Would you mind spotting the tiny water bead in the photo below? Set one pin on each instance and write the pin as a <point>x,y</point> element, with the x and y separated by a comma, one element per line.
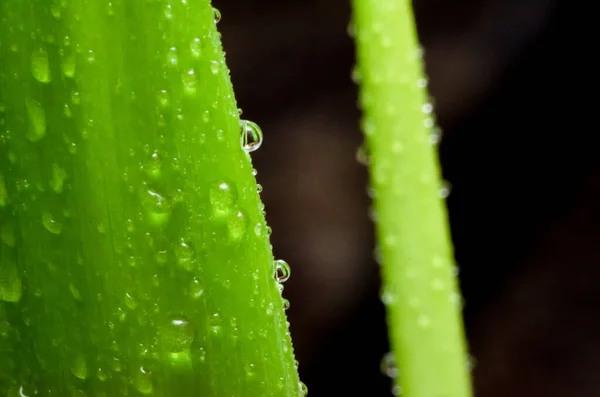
<point>286,304</point>
<point>196,48</point>
<point>190,83</point>
<point>251,136</point>
<point>282,271</point>
<point>388,366</point>
<point>223,197</point>
<point>302,389</point>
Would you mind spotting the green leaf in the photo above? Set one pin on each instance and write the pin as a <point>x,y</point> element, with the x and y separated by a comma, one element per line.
<point>419,282</point>
<point>134,255</point>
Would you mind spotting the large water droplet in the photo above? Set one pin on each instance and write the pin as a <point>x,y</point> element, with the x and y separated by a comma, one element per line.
<point>142,381</point>
<point>251,136</point>
<point>282,271</point>
<point>50,224</point>
<point>388,366</point>
<point>223,198</point>
<point>10,283</point>
<point>39,66</point>
<point>217,15</point>
<point>37,119</point>
<point>303,390</point>
<point>178,335</point>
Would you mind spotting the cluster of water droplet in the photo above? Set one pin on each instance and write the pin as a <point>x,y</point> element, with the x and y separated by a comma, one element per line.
<point>390,369</point>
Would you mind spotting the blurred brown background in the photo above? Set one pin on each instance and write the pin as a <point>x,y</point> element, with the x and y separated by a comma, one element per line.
<point>509,80</point>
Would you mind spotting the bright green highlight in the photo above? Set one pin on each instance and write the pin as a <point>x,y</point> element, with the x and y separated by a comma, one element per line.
<point>419,283</point>
<point>134,257</point>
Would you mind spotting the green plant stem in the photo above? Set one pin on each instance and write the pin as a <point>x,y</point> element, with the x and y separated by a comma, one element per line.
<point>419,285</point>
<point>134,256</point>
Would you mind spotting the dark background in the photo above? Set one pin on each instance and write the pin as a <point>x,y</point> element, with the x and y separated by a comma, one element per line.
<point>512,86</point>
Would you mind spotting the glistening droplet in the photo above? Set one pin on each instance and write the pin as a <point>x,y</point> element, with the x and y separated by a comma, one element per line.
<point>282,271</point>
<point>251,136</point>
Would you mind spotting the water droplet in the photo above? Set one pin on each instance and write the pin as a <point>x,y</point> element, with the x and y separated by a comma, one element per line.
<point>251,136</point>
<point>185,255</point>
<point>157,207</point>
<point>90,56</point>
<point>154,166</point>
<point>427,108</point>
<point>10,283</point>
<point>196,48</point>
<point>190,83</point>
<point>217,15</point>
<point>58,178</point>
<point>361,155</point>
<point>259,188</point>
<point>178,335</point>
<point>142,380</point>
<point>396,390</point>
<point>79,367</point>
<point>206,116</point>
<point>37,118</point>
<point>75,292</point>
<point>3,192</point>
<point>196,288</point>
<point>237,225</point>
<point>130,301</point>
<point>435,136</point>
<point>282,271</point>
<point>75,98</point>
<point>387,295</point>
<point>214,67</point>
<point>388,366</point>
<point>445,190</point>
<point>303,390</point>
<point>50,224</point>
<point>55,11</point>
<point>223,198</point>
<point>286,304</point>
<point>163,98</point>
<point>40,67</point>
<point>172,56</point>
<point>437,284</point>
<point>422,83</point>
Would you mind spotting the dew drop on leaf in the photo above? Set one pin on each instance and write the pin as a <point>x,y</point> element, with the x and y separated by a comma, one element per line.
<point>251,136</point>
<point>10,283</point>
<point>50,224</point>
<point>217,15</point>
<point>40,67</point>
<point>282,271</point>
